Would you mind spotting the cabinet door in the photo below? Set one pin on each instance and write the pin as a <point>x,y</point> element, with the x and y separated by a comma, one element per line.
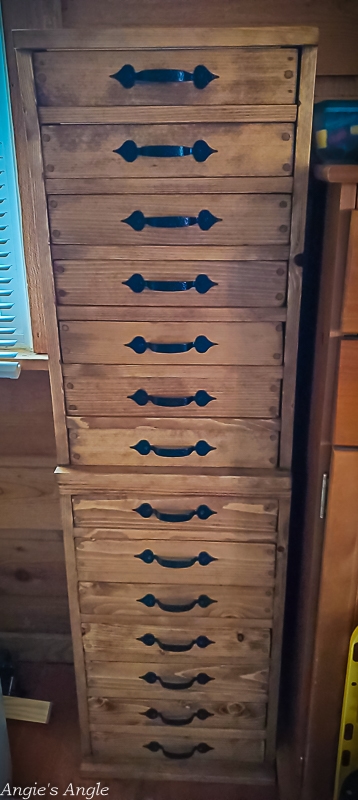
<point>350,303</point>
<point>346,423</point>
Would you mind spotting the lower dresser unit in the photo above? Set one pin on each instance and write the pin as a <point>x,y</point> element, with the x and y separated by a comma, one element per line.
<point>177,621</point>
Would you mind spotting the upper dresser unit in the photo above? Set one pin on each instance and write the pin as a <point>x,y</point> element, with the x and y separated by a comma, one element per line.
<point>175,166</point>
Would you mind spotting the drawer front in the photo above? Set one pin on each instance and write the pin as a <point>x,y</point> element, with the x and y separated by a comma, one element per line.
<point>144,151</point>
<point>346,424</point>
<point>127,441</point>
<point>200,643</point>
<point>242,76</point>
<point>173,343</point>
<point>170,220</point>
<point>120,744</point>
<point>189,391</point>
<point>158,516</point>
<point>167,714</point>
<point>236,683</point>
<point>188,563</point>
<point>173,283</point>
<point>113,602</point>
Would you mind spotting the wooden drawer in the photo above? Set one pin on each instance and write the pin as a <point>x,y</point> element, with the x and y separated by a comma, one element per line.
<point>242,76</point>
<point>188,563</point>
<point>256,343</point>
<point>188,150</point>
<point>117,744</point>
<point>105,711</point>
<point>201,642</point>
<point>140,441</point>
<point>113,602</point>
<point>189,391</point>
<point>170,516</point>
<point>139,219</point>
<point>350,302</point>
<point>237,683</point>
<point>346,423</point>
<point>173,283</point>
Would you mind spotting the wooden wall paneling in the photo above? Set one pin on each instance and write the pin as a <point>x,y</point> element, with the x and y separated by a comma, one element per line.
<point>26,423</point>
<point>29,499</point>
<point>40,241</point>
<point>346,420</point>
<point>24,14</point>
<point>298,226</point>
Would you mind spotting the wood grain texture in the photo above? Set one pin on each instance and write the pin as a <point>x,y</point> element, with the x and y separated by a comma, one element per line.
<point>243,76</point>
<point>92,115</point>
<point>29,499</point>
<point>107,343</point>
<point>34,568</point>
<point>94,389</point>
<point>170,314</point>
<point>235,564</point>
<point>346,419</point>
<point>240,284</point>
<point>350,301</point>
<point>106,252</point>
<point>26,423</point>
<point>257,777</point>
<point>45,613</point>
<point>90,151</point>
<point>43,648</point>
<point>256,185</point>
<point>233,442</point>
<point>242,682</point>
<point>114,602</point>
<point>242,716</point>
<point>243,219</point>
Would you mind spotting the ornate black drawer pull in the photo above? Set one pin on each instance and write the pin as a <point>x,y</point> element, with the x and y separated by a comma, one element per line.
<point>149,640</point>
<point>201,344</point>
<point>146,511</point>
<point>201,284</point>
<point>201,679</point>
<point>144,447</point>
<point>203,559</point>
<point>130,151</point>
<point>154,747</point>
<point>141,397</point>
<point>149,600</point>
<point>205,220</point>
<point>202,714</point>
<point>128,77</point>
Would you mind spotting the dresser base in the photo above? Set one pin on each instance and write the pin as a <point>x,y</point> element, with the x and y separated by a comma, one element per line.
<point>221,772</point>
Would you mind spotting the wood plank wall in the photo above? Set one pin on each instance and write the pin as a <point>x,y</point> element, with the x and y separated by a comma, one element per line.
<point>33,608</point>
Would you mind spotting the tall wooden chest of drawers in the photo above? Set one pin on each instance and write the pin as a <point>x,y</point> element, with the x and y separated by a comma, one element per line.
<point>169,173</point>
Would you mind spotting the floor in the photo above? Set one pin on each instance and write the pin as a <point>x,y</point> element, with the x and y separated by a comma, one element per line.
<point>50,754</point>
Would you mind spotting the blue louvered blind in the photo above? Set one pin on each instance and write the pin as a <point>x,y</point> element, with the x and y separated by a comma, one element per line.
<point>15,329</point>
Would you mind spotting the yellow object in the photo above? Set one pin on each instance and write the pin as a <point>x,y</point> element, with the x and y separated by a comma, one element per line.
<point>354,130</point>
<point>322,138</point>
<point>347,759</point>
<point>27,710</point>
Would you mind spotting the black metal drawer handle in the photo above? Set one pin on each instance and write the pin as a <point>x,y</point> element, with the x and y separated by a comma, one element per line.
<point>130,151</point>
<point>201,344</point>
<point>202,714</point>
<point>202,284</point>
<point>128,77</point>
<point>154,747</point>
<point>203,559</point>
<point>201,679</point>
<point>149,600</point>
<point>141,397</point>
<point>149,640</point>
<point>205,220</point>
<point>144,447</point>
<point>146,511</point>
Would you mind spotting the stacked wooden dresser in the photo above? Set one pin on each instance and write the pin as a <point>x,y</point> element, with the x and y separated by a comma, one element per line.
<point>175,166</point>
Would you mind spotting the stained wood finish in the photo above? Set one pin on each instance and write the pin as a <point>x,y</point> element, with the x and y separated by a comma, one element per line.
<point>234,443</point>
<point>96,389</point>
<point>244,219</point>
<point>169,314</point>
<point>244,76</point>
<point>346,420</point>
<point>235,564</point>
<point>241,682</point>
<point>350,301</point>
<point>114,602</point>
<point>270,252</point>
<point>240,284</point>
<point>155,185</point>
<point>107,343</point>
<point>87,151</point>
<point>121,744</point>
<point>106,711</point>
<point>106,642</point>
<point>233,515</point>
<point>100,115</point>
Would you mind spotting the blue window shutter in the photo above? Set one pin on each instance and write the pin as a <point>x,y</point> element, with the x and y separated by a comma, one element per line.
<point>15,327</point>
